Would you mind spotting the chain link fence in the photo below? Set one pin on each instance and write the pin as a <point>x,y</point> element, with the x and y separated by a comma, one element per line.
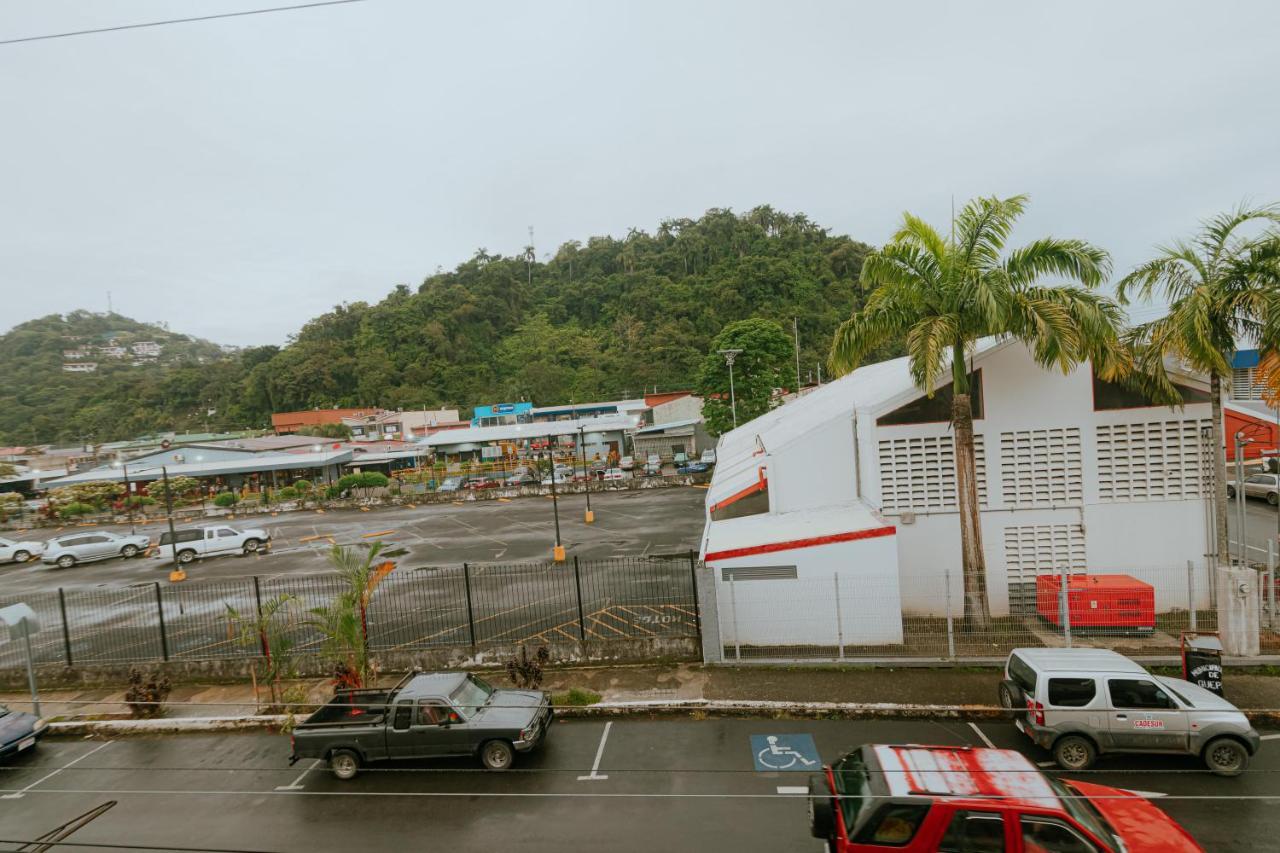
<point>412,609</point>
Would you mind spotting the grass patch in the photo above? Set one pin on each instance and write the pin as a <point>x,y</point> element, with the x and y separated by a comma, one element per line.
<point>575,697</point>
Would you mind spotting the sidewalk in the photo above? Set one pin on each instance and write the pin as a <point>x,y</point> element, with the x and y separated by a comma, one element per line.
<point>911,686</point>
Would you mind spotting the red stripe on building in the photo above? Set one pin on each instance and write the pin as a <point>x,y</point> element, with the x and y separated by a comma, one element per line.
<point>851,536</point>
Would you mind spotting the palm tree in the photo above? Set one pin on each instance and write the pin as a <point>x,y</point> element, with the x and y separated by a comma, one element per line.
<point>941,294</point>
<point>1221,287</point>
<point>344,621</point>
<point>263,631</point>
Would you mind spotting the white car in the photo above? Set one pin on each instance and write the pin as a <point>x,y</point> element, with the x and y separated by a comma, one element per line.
<point>19,552</point>
<point>626,463</point>
<point>562,477</point>
<point>709,456</point>
<point>211,541</point>
<point>72,548</point>
<point>613,474</point>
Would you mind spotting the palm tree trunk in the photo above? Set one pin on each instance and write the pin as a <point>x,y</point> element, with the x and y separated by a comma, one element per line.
<point>977,613</point>
<point>1221,549</point>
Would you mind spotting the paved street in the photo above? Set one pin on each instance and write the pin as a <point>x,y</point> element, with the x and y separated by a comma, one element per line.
<point>1260,526</point>
<point>627,785</point>
<point>628,524</point>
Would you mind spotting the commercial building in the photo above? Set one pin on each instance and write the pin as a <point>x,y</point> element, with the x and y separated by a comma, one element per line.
<point>601,437</point>
<point>285,423</point>
<point>501,414</point>
<point>401,425</point>
<point>844,501</point>
<point>669,440</point>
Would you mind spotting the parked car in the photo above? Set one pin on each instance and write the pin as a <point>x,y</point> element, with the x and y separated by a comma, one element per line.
<point>426,715</point>
<point>626,463</point>
<point>66,551</point>
<point>653,465</point>
<point>450,484</point>
<point>19,731</point>
<point>709,456</point>
<point>1083,702</point>
<point>561,478</point>
<point>679,458</point>
<point>613,475</point>
<point>1266,486</point>
<point>930,798</point>
<point>210,541</point>
<point>523,478</point>
<point>693,468</point>
<point>479,483</point>
<point>19,552</point>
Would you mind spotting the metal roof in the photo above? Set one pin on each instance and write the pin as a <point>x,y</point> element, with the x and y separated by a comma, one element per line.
<point>520,432</point>
<point>669,425</point>
<point>252,463</point>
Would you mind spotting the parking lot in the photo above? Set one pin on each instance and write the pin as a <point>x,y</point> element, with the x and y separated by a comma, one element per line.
<point>628,524</point>
<point>628,784</point>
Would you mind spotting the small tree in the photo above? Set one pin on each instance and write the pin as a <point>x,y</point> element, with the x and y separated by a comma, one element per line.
<point>760,367</point>
<point>267,631</point>
<point>179,487</point>
<point>10,504</point>
<point>525,672</point>
<point>226,499</point>
<point>97,493</point>
<point>344,621</point>
<point>304,490</point>
<point>147,694</point>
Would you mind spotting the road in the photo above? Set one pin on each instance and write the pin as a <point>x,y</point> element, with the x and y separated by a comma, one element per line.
<point>674,785</point>
<point>628,524</point>
<point>1260,527</point>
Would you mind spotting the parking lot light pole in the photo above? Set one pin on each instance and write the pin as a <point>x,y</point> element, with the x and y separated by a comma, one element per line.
<point>557,553</point>
<point>177,573</point>
<point>729,356</point>
<point>590,516</point>
<point>128,506</point>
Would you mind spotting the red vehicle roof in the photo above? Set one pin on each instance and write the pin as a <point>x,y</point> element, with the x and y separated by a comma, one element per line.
<point>965,772</point>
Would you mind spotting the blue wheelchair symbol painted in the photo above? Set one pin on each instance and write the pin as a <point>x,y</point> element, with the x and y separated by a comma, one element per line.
<point>784,752</point>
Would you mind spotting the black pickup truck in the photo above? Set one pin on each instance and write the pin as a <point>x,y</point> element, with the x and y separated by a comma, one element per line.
<point>426,715</point>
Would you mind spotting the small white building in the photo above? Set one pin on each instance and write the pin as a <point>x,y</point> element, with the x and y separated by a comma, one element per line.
<point>80,367</point>
<point>112,351</point>
<point>146,349</point>
<point>844,500</point>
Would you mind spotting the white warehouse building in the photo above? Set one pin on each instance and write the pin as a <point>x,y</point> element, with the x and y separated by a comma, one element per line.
<point>833,517</point>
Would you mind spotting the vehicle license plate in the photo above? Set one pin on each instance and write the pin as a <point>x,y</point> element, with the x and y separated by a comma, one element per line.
<point>26,744</point>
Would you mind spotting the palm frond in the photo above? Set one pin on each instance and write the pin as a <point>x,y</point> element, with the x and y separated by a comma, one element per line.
<point>983,227</point>
<point>1173,274</point>
<point>1075,260</point>
<point>915,231</point>
<point>1215,239</point>
<point>929,342</point>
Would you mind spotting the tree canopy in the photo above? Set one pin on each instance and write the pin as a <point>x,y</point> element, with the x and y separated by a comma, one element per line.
<point>761,365</point>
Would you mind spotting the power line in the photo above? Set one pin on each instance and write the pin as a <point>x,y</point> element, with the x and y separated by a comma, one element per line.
<point>179,21</point>
<point>168,847</point>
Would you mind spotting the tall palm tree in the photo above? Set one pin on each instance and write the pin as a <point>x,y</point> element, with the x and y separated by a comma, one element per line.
<point>940,294</point>
<point>344,621</point>
<point>1222,286</point>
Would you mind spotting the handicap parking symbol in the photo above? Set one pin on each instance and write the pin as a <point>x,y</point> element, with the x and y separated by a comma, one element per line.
<point>784,752</point>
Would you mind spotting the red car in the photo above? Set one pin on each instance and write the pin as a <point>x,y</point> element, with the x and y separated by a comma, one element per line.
<point>959,798</point>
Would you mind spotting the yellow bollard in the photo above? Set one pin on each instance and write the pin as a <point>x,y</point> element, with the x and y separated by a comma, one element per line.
<point>177,575</point>
<point>589,516</point>
<point>557,553</point>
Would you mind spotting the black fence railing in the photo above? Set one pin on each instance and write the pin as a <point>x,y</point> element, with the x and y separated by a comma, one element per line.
<point>412,609</point>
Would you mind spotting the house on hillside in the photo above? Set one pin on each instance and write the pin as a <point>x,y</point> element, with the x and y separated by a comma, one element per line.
<point>839,510</point>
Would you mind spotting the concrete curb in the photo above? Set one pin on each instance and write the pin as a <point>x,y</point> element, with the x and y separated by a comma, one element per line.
<point>645,707</point>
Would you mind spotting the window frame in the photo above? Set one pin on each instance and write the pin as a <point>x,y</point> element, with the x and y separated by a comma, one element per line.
<point>866,832</point>
<point>1058,822</point>
<point>1092,681</point>
<point>966,815</point>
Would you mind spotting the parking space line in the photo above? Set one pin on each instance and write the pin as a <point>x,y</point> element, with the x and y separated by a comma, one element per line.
<point>296,784</point>
<point>792,789</point>
<point>18,794</point>
<point>982,735</point>
<point>594,775</point>
<point>1271,737</point>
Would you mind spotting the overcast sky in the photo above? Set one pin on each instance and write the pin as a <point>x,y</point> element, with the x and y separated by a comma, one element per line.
<point>237,177</point>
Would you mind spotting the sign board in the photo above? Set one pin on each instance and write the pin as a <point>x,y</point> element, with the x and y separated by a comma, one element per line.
<point>504,408</point>
<point>1202,661</point>
<point>490,452</point>
<point>14,616</point>
<point>774,753</point>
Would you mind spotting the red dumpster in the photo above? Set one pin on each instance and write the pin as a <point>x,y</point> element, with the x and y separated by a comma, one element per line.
<point>1098,602</point>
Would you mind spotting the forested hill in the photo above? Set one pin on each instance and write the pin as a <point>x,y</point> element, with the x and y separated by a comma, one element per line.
<point>598,320</point>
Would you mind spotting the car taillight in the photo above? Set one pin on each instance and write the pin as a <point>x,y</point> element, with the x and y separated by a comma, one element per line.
<point>1036,711</point>
<point>293,744</point>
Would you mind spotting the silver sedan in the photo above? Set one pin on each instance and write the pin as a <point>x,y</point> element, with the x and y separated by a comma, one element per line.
<point>65,551</point>
<point>1258,486</point>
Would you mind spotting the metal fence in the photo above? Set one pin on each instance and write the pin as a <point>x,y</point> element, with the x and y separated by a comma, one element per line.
<point>413,609</point>
<point>921,615</point>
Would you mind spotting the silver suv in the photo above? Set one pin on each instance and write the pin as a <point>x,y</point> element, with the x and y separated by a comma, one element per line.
<point>65,551</point>
<point>1081,703</point>
<point>1265,486</point>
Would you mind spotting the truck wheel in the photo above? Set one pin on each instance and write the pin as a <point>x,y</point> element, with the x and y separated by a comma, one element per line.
<point>496,755</point>
<point>822,823</point>
<point>344,763</point>
<point>1074,752</point>
<point>66,561</point>
<point>1273,498</point>
<point>129,551</point>
<point>250,545</point>
<point>185,557</point>
<point>1226,757</point>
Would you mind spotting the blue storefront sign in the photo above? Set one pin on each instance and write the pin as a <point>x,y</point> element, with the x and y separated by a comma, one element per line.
<point>499,410</point>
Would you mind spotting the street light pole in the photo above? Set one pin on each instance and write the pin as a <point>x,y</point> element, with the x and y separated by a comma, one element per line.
<point>557,553</point>
<point>176,574</point>
<point>729,356</point>
<point>590,516</point>
<point>128,505</point>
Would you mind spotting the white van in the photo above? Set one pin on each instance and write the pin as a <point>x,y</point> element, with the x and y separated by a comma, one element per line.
<point>1081,703</point>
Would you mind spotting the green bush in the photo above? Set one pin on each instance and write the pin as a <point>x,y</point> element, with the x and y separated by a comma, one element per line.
<point>75,509</point>
<point>363,480</point>
<point>225,499</point>
<point>302,486</point>
<point>288,493</point>
<point>332,492</point>
<point>575,697</point>
<point>139,500</point>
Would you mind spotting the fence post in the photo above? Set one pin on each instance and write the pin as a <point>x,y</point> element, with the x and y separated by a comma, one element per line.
<point>1271,582</point>
<point>164,639</point>
<point>66,631</point>
<point>577,585</point>
<point>471,619</point>
<point>839,619</point>
<point>1191,594</point>
<point>951,626</point>
<point>693,576</point>
<point>733,606</point>
<point>257,602</point>
<point>1064,606</point>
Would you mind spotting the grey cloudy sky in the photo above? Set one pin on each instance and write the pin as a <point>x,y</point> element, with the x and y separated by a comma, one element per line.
<point>237,177</point>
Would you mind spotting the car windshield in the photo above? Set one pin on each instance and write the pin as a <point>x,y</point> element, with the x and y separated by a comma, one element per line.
<point>853,787</point>
<point>1078,805</point>
<point>471,695</point>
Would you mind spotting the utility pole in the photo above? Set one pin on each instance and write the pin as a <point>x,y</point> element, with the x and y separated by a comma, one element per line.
<point>128,505</point>
<point>582,447</point>
<point>557,553</point>
<point>795,327</point>
<point>177,573</point>
<point>729,356</point>
<point>1241,532</point>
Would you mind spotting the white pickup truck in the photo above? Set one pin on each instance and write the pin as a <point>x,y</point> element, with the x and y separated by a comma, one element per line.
<point>211,541</point>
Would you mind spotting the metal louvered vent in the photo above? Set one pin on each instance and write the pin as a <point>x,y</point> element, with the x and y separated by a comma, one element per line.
<point>920,473</point>
<point>1040,549</point>
<point>1245,384</point>
<point>1042,467</point>
<point>1152,461</point>
<point>759,573</point>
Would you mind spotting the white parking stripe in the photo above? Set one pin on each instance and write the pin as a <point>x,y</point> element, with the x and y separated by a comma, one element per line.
<point>982,735</point>
<point>594,776</point>
<point>18,794</point>
<point>296,784</point>
<point>792,789</point>
<point>1271,737</point>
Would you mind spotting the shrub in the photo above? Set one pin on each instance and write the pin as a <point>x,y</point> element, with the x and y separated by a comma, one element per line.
<point>147,694</point>
<point>526,672</point>
<point>288,493</point>
<point>139,500</point>
<point>74,509</point>
<point>226,499</point>
<point>332,492</point>
<point>575,697</point>
<point>97,493</point>
<point>181,487</point>
<point>302,486</point>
